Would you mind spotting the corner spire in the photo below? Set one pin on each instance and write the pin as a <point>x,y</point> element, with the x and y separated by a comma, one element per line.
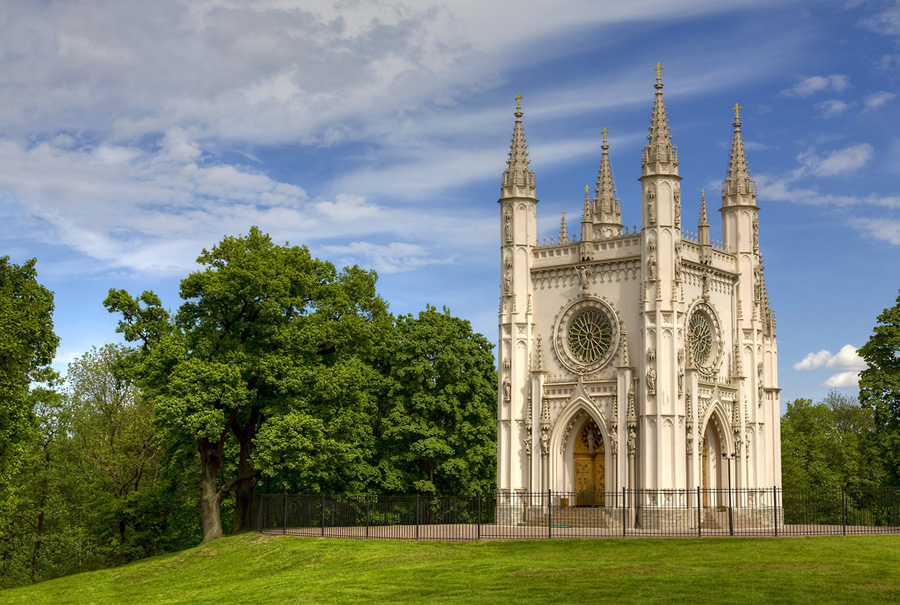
<point>660,156</point>
<point>737,181</point>
<point>518,179</point>
<point>607,210</point>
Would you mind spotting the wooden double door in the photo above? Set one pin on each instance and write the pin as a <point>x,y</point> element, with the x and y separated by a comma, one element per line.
<point>590,465</point>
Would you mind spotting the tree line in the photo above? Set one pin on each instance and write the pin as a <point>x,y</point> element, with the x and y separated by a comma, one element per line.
<point>281,373</point>
<point>277,373</point>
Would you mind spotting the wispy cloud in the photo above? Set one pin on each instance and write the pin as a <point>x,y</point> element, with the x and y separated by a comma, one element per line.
<point>884,229</point>
<point>837,162</point>
<point>878,99</point>
<point>831,108</point>
<point>814,84</point>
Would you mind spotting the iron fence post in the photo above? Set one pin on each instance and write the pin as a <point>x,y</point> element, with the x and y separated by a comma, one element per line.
<point>624,514</point>
<point>699,514</point>
<point>418,510</point>
<point>549,513</point>
<point>775,507</point>
<point>367,515</point>
<point>479,514</point>
<point>284,518</point>
<point>844,508</point>
<point>323,514</point>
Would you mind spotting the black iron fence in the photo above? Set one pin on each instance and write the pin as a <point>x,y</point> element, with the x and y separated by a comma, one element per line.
<point>553,514</point>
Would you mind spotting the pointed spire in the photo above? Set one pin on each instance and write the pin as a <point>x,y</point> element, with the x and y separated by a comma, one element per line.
<point>563,235</point>
<point>660,156</point>
<point>703,226</point>
<point>607,211</point>
<point>737,181</point>
<point>518,179</point>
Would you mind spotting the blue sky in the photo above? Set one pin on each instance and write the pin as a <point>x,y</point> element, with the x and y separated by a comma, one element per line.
<point>133,134</point>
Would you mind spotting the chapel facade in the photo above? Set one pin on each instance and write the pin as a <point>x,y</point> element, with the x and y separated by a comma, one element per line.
<point>636,358</point>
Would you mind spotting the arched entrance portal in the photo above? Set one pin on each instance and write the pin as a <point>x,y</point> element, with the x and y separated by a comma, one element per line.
<point>590,465</point>
<point>710,464</point>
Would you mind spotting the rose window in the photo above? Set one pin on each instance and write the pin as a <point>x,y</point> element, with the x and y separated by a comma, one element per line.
<point>590,336</point>
<point>701,333</point>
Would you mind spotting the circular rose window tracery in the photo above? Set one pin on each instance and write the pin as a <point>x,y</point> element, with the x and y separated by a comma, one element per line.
<point>701,338</point>
<point>704,339</point>
<point>587,335</point>
<point>590,336</point>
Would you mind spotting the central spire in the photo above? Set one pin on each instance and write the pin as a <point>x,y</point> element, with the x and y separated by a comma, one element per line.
<point>737,181</point>
<point>607,210</point>
<point>518,179</point>
<point>660,156</point>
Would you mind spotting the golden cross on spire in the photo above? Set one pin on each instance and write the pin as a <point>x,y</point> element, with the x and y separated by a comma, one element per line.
<point>604,132</point>
<point>737,108</point>
<point>519,102</point>
<point>703,192</point>
<point>586,189</point>
<point>658,69</point>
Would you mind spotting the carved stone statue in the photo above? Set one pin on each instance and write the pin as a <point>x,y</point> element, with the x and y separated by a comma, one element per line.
<point>651,213</point>
<point>584,273</point>
<point>678,209</point>
<point>545,442</point>
<point>507,284</point>
<point>651,268</point>
<point>632,441</point>
<point>651,380</point>
<point>507,389</point>
<point>508,227</point>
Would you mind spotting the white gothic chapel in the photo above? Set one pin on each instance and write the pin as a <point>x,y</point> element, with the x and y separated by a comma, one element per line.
<point>636,359</point>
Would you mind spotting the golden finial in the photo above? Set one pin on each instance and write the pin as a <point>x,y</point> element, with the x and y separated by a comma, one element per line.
<point>658,69</point>
<point>519,102</point>
<point>586,189</point>
<point>604,132</point>
<point>737,108</point>
<point>703,192</point>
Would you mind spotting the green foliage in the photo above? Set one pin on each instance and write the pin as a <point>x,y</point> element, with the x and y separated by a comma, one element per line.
<point>249,568</point>
<point>27,347</point>
<point>879,386</point>
<point>437,416</point>
<point>828,444</point>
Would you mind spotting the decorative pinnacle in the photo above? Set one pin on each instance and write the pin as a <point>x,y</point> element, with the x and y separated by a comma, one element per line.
<point>518,178</point>
<point>606,205</point>
<point>704,219</point>
<point>737,181</point>
<point>659,156</point>
<point>563,235</point>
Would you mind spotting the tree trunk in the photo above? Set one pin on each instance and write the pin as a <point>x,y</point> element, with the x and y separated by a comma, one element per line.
<point>245,471</point>
<point>211,461</point>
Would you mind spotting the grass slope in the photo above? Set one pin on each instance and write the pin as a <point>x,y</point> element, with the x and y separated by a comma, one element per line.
<point>249,568</point>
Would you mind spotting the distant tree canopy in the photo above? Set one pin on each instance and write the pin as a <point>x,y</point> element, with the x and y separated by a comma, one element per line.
<point>879,386</point>
<point>829,444</point>
<point>279,366</point>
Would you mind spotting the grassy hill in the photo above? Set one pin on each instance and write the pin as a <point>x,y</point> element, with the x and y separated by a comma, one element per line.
<point>249,568</point>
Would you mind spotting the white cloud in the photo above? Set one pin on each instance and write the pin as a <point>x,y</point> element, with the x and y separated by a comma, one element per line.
<point>878,99</point>
<point>843,380</point>
<point>885,229</point>
<point>831,108</point>
<point>813,360</point>
<point>813,84</point>
<point>846,359</point>
<point>840,161</point>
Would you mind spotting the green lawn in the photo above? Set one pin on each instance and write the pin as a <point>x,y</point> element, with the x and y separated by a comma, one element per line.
<point>249,568</point>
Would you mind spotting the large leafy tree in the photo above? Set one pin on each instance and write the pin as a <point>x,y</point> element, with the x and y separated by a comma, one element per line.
<point>265,332</point>
<point>879,385</point>
<point>437,417</point>
<point>27,346</point>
